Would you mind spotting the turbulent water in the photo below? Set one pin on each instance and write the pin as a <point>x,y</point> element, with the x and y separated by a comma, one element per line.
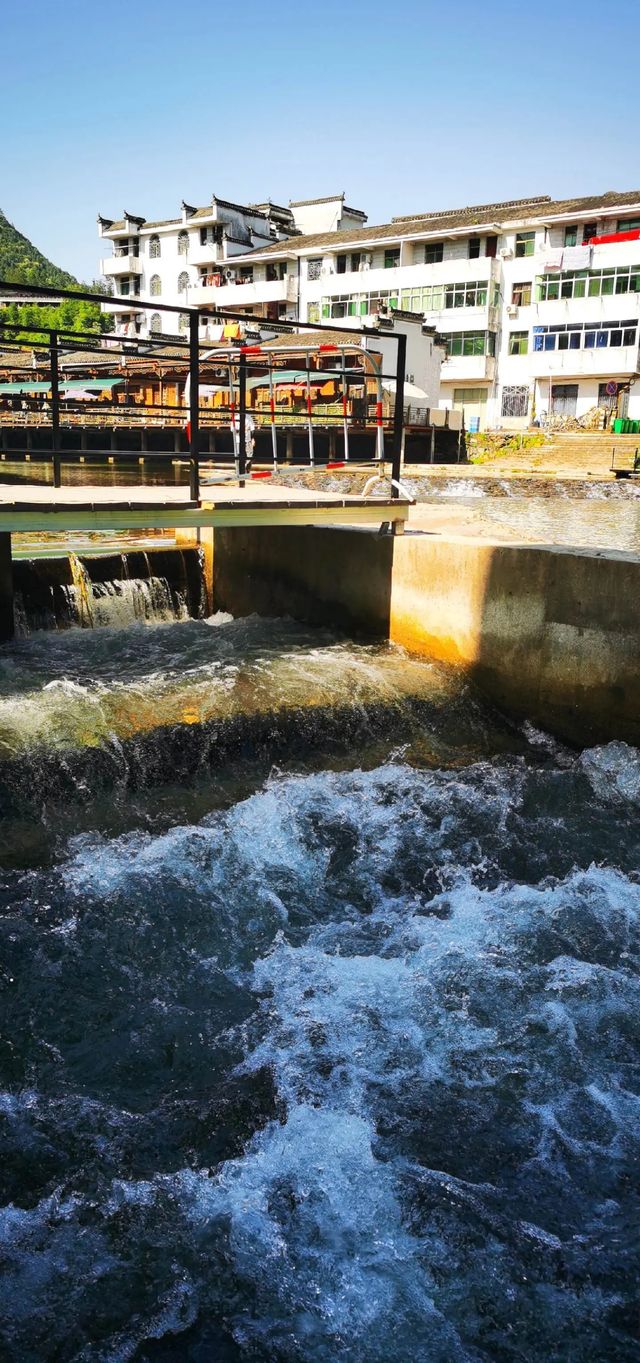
<point>329,1060</point>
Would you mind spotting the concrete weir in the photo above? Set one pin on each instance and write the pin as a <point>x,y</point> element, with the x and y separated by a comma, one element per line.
<point>549,634</point>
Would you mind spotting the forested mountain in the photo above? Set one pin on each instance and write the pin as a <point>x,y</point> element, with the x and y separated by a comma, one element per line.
<point>22,263</point>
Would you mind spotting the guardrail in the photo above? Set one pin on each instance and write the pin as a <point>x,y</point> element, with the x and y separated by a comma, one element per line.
<point>248,366</point>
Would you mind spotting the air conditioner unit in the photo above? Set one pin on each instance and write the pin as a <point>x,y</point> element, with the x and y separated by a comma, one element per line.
<point>512,309</point>
<point>506,253</point>
<point>230,276</point>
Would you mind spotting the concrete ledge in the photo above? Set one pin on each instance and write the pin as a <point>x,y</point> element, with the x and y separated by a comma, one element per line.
<point>549,634</point>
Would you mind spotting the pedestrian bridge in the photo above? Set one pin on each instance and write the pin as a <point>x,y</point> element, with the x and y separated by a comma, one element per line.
<point>37,509</point>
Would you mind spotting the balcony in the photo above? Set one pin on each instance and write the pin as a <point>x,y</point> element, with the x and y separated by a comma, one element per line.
<point>595,363</point>
<point>115,266</point>
<point>209,253</point>
<point>468,368</point>
<point>403,277</point>
<point>245,295</point>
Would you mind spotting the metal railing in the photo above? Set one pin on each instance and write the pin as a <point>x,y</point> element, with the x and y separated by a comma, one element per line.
<point>192,359</point>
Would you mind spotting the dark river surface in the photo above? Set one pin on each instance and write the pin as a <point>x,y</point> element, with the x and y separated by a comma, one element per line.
<point>320,1010</point>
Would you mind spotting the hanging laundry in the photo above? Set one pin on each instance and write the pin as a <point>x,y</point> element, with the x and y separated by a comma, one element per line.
<point>576,258</point>
<point>553,260</point>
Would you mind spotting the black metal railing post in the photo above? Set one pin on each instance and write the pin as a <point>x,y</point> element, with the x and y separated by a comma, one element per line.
<point>55,407</point>
<point>242,416</point>
<point>194,406</point>
<point>398,415</point>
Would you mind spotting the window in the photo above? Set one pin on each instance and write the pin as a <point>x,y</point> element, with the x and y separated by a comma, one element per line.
<point>515,400</point>
<point>183,243</point>
<point>124,287</point>
<point>491,247</point>
<point>356,260</point>
<point>605,399</point>
<point>183,282</point>
<point>154,248</point>
<point>203,236</point>
<point>314,268</point>
<point>464,397</point>
<point>586,336</point>
<point>518,342</point>
<point>589,231</point>
<point>589,283</point>
<point>571,236</point>
<point>436,297</point>
<point>471,343</point>
<point>246,274</point>
<point>628,224</point>
<point>433,252</point>
<point>525,243</point>
<point>183,321</point>
<point>473,295</point>
<point>155,325</point>
<point>155,286</point>
<point>357,304</point>
<point>391,257</point>
<point>341,264</point>
<point>521,294</point>
<point>313,312</point>
<point>474,248</point>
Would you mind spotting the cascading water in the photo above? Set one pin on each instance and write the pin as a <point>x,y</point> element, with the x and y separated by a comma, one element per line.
<point>117,590</point>
<point>332,1061</point>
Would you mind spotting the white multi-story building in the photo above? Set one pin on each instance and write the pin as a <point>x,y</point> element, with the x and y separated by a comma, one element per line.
<point>539,299</point>
<point>198,258</point>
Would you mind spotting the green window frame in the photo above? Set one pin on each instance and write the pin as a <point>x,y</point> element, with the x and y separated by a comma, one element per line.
<point>518,342</point>
<point>525,244</point>
<point>391,257</point>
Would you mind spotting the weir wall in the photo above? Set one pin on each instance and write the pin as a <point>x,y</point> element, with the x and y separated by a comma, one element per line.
<point>549,634</point>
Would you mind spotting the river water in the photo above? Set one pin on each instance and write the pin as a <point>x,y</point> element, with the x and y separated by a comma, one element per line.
<point>320,1010</point>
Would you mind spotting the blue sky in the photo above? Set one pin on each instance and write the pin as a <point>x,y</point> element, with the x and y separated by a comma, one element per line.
<point>406,106</point>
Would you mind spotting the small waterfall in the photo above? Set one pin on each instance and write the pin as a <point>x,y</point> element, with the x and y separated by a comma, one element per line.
<point>80,594</point>
<point>114,590</point>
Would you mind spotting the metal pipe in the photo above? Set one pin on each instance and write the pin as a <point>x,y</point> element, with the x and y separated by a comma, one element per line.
<point>242,415</point>
<point>309,418</point>
<point>55,408</point>
<point>194,407</point>
<point>345,409</point>
<point>272,409</point>
<point>398,414</point>
<point>232,414</point>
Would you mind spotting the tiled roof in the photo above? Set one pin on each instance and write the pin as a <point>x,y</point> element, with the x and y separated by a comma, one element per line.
<point>482,215</point>
<point>304,340</point>
<point>306,203</point>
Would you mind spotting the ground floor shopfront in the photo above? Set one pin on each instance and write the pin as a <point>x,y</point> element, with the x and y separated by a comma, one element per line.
<point>495,406</point>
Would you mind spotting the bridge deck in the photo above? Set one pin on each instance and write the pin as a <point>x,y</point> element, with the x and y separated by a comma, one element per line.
<point>37,508</point>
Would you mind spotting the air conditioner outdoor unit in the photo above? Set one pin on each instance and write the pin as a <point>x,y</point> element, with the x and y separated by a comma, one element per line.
<point>512,309</point>
<point>506,253</point>
<point>230,275</point>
